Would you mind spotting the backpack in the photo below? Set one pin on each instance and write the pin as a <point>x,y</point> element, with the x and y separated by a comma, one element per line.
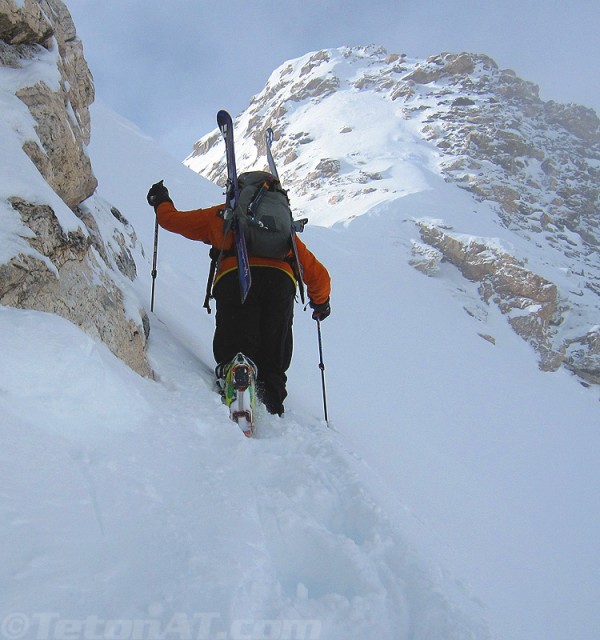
<point>264,215</point>
<point>265,218</point>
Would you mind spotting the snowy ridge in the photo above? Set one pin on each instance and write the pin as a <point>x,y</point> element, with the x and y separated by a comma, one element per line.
<point>330,178</point>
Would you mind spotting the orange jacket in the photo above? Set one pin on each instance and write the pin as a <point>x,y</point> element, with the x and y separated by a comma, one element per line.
<point>207,225</point>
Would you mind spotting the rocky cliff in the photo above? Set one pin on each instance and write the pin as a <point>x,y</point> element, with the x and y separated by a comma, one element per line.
<point>538,164</point>
<point>65,251</point>
<point>357,128</point>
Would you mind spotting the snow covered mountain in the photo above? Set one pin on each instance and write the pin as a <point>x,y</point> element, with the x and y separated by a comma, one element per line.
<point>455,497</point>
<point>360,128</point>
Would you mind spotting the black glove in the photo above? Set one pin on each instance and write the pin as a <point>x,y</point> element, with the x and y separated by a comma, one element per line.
<point>158,194</point>
<point>320,311</point>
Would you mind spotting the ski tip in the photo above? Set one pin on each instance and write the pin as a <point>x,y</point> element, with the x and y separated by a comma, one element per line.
<point>223,117</point>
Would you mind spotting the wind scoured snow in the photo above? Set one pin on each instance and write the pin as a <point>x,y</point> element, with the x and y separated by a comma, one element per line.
<point>453,498</point>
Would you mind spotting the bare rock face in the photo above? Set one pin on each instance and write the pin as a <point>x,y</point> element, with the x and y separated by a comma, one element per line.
<point>61,112</point>
<point>25,24</point>
<point>538,161</point>
<point>72,269</point>
<point>583,356</point>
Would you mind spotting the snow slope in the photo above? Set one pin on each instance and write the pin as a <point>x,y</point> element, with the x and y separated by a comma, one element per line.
<point>455,498</point>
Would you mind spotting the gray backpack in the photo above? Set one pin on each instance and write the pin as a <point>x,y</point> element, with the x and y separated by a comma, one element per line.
<point>264,215</point>
<point>265,218</point>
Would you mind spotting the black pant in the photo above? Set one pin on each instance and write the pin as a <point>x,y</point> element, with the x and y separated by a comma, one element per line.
<point>261,328</point>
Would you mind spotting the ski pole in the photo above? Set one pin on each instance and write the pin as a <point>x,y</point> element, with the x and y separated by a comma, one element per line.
<point>322,367</point>
<point>154,260</point>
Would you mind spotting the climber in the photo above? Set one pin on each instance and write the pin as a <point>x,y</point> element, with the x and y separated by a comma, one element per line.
<point>261,326</point>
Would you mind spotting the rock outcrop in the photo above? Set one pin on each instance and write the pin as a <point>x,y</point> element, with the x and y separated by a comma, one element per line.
<point>45,29</point>
<point>538,164</point>
<point>530,301</point>
<point>537,161</point>
<point>72,269</point>
<point>68,276</point>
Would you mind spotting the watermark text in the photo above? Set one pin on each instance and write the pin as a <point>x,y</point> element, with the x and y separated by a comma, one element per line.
<point>180,626</point>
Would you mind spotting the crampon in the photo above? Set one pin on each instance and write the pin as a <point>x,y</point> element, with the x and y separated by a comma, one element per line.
<point>237,380</point>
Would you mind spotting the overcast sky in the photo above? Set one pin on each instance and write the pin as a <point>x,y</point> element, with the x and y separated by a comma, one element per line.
<point>170,65</point>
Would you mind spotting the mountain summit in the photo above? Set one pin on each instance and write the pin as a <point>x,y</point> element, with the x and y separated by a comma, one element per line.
<point>360,128</point>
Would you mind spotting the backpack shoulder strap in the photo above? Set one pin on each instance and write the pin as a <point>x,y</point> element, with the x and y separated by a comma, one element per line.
<point>215,256</point>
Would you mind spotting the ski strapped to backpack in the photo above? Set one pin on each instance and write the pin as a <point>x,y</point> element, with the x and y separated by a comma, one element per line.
<point>232,193</point>
<point>257,211</point>
<point>297,225</point>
